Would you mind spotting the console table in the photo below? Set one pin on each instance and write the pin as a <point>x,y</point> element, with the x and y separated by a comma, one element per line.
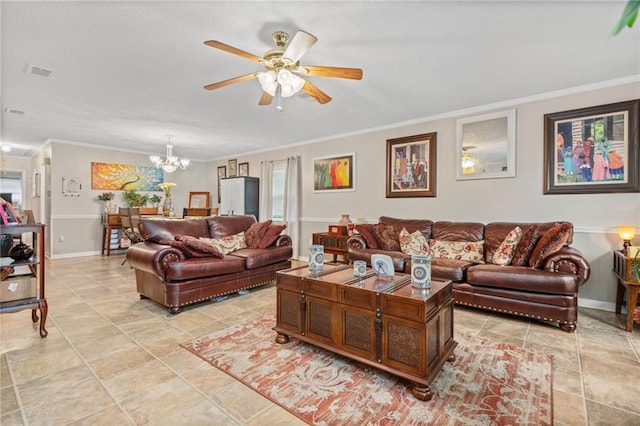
<point>379,321</point>
<point>623,270</point>
<point>333,244</point>
<point>110,222</point>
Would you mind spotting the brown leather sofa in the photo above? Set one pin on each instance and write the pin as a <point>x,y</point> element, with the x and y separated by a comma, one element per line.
<point>547,293</point>
<point>166,275</point>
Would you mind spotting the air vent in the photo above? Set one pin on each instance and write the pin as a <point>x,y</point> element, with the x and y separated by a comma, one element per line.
<point>42,72</point>
<point>14,111</point>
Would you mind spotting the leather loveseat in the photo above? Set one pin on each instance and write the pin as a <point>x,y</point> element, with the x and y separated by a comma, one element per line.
<point>547,291</point>
<point>173,278</point>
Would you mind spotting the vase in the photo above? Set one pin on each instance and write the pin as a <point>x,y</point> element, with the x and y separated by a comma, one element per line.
<point>167,207</point>
<point>346,221</point>
<point>107,207</point>
<point>20,251</point>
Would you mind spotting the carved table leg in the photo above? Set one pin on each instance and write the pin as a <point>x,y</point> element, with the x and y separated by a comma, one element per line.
<point>282,338</point>
<point>421,392</point>
<point>43,318</point>
<point>34,315</point>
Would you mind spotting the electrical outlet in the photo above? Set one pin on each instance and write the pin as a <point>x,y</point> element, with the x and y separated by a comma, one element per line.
<point>61,238</point>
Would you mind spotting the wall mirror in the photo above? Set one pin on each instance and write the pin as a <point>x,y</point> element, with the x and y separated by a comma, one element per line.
<point>486,146</point>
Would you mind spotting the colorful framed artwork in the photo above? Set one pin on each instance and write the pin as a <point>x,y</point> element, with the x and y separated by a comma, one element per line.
<point>334,173</point>
<point>125,177</point>
<point>486,146</point>
<point>198,200</point>
<point>411,166</point>
<point>243,169</point>
<point>222,173</point>
<point>593,150</point>
<point>232,168</point>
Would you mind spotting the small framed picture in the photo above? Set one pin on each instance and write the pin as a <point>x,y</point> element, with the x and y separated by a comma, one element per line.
<point>198,200</point>
<point>232,168</point>
<point>243,169</point>
<point>222,173</point>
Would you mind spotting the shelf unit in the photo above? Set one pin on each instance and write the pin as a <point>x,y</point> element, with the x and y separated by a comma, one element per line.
<point>23,281</point>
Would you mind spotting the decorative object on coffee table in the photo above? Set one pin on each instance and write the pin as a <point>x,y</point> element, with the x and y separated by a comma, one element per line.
<point>316,257</point>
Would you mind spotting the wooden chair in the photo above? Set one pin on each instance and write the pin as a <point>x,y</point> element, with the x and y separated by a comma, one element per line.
<point>186,211</point>
<point>130,218</point>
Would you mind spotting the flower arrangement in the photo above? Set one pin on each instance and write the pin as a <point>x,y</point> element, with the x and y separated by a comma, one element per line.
<point>166,187</point>
<point>106,196</point>
<point>155,198</point>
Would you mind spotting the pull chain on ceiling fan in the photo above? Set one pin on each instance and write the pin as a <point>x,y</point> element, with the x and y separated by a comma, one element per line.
<point>282,76</point>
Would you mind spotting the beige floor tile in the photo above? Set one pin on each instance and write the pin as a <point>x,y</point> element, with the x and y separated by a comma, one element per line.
<point>118,362</point>
<point>274,415</point>
<point>143,378</point>
<point>208,379</point>
<point>110,416</point>
<point>607,381</point>
<point>605,415</point>
<point>568,381</point>
<point>568,409</point>
<point>11,419</point>
<point>24,371</point>
<point>203,413</point>
<point>241,402</point>
<point>8,400</point>
<point>44,388</point>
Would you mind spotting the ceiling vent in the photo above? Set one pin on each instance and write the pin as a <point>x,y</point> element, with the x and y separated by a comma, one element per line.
<point>14,111</point>
<point>42,72</point>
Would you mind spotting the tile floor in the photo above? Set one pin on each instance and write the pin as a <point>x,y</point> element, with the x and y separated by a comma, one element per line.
<point>111,358</point>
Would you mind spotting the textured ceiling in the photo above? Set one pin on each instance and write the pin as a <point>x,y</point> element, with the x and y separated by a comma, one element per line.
<point>126,74</point>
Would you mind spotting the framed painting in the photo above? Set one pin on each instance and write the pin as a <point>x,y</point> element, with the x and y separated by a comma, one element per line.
<point>112,176</point>
<point>243,169</point>
<point>198,200</point>
<point>486,146</point>
<point>222,173</point>
<point>592,150</point>
<point>411,166</point>
<point>232,168</point>
<point>334,173</point>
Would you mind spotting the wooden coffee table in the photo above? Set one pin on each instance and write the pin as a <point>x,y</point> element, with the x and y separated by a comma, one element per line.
<point>381,322</point>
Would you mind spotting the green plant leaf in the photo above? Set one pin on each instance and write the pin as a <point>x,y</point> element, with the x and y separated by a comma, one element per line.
<point>628,18</point>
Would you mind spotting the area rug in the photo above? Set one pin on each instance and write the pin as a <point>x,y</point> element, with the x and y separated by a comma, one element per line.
<point>487,384</point>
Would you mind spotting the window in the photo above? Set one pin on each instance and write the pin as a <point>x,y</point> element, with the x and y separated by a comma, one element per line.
<point>278,187</point>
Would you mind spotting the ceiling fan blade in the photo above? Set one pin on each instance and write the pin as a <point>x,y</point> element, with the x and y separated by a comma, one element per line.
<point>219,45</point>
<point>339,72</point>
<point>234,80</point>
<point>299,45</point>
<point>315,93</point>
<point>265,99</point>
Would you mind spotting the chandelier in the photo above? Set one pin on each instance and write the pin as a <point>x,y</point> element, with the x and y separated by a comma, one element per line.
<point>281,84</point>
<point>171,163</point>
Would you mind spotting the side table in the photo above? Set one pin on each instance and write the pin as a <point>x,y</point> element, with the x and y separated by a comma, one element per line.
<point>623,270</point>
<point>333,244</point>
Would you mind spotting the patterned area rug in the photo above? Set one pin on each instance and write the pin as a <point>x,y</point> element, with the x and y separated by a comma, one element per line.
<point>487,384</point>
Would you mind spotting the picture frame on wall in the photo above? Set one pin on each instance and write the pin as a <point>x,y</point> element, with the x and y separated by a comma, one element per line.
<point>411,166</point>
<point>334,173</point>
<point>243,169</point>
<point>486,146</point>
<point>592,150</point>
<point>232,168</point>
<point>198,200</point>
<point>222,173</point>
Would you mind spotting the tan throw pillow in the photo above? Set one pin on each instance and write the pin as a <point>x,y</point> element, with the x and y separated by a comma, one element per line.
<point>414,243</point>
<point>366,231</point>
<point>228,244</point>
<point>200,246</point>
<point>255,232</point>
<point>525,246</point>
<point>471,251</point>
<point>506,250</point>
<point>552,241</point>
<point>387,236</point>
<point>272,234</point>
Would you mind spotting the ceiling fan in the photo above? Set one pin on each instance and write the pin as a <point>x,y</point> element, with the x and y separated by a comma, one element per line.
<point>283,71</point>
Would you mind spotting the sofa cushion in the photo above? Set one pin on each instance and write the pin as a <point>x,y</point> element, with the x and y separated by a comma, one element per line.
<point>228,244</point>
<point>505,251</point>
<point>255,258</point>
<point>411,225</point>
<point>550,242</point>
<point>472,251</point>
<point>223,226</point>
<point>413,243</point>
<point>271,235</point>
<point>200,246</point>
<point>525,246</point>
<point>367,232</point>
<point>156,229</point>
<point>449,269</point>
<point>523,279</point>
<point>457,231</point>
<point>203,268</point>
<point>255,232</point>
<point>387,236</point>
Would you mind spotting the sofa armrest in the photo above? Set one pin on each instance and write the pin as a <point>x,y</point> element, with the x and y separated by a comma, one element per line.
<point>152,257</point>
<point>569,260</point>
<point>356,242</point>
<point>283,240</point>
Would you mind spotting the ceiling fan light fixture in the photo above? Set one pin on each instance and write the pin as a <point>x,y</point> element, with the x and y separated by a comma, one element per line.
<point>289,83</point>
<point>268,81</point>
<point>170,163</point>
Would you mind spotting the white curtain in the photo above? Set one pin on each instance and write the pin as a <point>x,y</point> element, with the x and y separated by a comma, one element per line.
<point>266,190</point>
<point>292,202</point>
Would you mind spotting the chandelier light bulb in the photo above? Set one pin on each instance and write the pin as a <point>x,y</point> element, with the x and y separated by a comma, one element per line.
<point>170,163</point>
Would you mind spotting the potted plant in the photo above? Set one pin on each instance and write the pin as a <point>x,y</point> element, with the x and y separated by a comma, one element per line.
<point>134,198</point>
<point>155,200</point>
<point>106,198</point>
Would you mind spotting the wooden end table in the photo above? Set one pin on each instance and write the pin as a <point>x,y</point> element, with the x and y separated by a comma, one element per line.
<point>623,270</point>
<point>381,322</point>
<point>335,245</point>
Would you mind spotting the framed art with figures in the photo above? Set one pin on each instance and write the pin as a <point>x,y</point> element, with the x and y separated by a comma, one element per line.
<point>592,150</point>
<point>411,166</point>
<point>334,173</point>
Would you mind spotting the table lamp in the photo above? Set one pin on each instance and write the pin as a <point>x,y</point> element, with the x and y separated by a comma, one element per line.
<point>626,234</point>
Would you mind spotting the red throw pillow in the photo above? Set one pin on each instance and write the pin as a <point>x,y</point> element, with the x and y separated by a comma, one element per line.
<point>388,237</point>
<point>271,235</point>
<point>367,232</point>
<point>552,241</point>
<point>525,246</point>
<point>255,232</point>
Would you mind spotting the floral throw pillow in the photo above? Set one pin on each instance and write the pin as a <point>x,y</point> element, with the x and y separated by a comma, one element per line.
<point>414,243</point>
<point>387,236</point>
<point>255,232</point>
<point>506,250</point>
<point>228,244</point>
<point>471,251</point>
